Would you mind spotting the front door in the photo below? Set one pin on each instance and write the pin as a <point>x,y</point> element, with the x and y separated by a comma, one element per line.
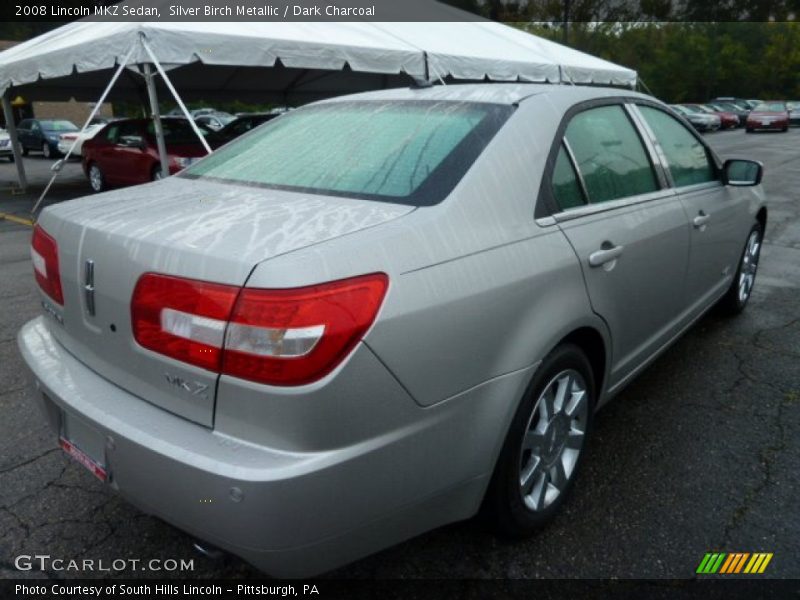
<point>712,209</point>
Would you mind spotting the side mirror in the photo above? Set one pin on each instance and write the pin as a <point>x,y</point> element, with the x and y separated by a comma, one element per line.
<point>742,173</point>
<point>132,141</point>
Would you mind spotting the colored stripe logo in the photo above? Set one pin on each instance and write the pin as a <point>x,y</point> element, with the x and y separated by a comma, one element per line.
<point>731,563</point>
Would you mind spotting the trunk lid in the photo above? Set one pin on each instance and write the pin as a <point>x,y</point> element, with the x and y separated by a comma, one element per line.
<point>187,228</point>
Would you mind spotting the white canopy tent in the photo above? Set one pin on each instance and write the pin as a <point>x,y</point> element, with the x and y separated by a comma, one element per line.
<point>287,62</point>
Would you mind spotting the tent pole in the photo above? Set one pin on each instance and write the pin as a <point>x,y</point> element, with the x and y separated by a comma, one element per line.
<point>56,168</point>
<point>175,95</point>
<point>15,149</point>
<point>162,146</point>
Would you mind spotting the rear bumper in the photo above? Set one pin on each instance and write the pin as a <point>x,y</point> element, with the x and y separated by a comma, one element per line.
<point>777,125</point>
<point>289,513</point>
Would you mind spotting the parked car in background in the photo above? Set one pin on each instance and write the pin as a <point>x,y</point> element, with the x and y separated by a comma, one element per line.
<point>727,119</point>
<point>738,102</point>
<point>700,120</point>
<point>794,112</point>
<point>42,135</point>
<point>357,324</point>
<point>66,140</point>
<point>753,103</point>
<point>214,121</point>
<point>736,109</point>
<point>125,152</point>
<point>240,125</point>
<point>5,145</point>
<point>772,114</point>
<point>195,112</point>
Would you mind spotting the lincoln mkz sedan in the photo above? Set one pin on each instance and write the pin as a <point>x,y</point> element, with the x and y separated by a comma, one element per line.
<point>382,313</point>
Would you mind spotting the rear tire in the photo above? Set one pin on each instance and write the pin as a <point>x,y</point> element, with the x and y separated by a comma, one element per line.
<point>735,299</point>
<point>157,174</point>
<point>544,446</point>
<point>46,151</point>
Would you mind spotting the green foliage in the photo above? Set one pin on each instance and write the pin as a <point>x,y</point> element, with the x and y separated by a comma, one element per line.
<point>681,62</point>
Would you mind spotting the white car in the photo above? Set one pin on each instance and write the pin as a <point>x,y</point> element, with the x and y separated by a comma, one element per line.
<point>5,145</point>
<point>65,140</point>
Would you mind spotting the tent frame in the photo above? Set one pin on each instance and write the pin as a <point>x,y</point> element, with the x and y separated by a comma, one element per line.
<point>149,79</point>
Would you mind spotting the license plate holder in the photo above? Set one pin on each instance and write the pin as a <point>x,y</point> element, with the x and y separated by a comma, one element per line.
<point>84,444</point>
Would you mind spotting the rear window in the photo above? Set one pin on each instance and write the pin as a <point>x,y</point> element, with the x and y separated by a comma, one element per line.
<point>410,152</point>
<point>770,107</point>
<point>58,126</point>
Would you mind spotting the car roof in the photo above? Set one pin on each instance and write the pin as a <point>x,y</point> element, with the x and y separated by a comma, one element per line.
<point>493,93</point>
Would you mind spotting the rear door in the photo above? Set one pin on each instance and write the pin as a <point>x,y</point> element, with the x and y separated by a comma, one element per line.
<point>713,209</point>
<point>628,230</point>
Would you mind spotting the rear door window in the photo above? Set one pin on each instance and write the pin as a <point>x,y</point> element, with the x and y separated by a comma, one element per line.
<point>610,155</point>
<point>687,159</point>
<point>566,187</point>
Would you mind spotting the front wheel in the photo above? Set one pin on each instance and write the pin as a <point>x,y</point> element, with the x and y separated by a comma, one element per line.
<point>46,150</point>
<point>96,178</point>
<point>544,445</point>
<point>735,299</point>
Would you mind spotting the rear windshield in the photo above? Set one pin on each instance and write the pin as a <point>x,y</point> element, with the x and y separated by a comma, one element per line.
<point>410,152</point>
<point>58,126</point>
<point>770,107</point>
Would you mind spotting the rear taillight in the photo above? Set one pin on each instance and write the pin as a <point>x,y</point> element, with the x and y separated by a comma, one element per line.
<point>182,318</point>
<point>279,337</point>
<point>44,255</point>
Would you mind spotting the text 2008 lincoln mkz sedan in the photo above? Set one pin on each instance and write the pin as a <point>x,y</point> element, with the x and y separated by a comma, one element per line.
<point>377,314</point>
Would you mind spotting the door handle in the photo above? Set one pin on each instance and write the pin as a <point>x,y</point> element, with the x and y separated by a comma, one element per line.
<point>606,255</point>
<point>700,220</point>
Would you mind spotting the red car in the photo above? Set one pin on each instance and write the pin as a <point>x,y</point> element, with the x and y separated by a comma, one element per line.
<point>125,152</point>
<point>773,114</point>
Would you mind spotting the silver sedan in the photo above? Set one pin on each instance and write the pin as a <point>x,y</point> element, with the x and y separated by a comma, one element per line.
<point>381,313</point>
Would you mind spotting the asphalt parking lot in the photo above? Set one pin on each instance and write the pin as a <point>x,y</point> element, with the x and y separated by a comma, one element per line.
<point>700,454</point>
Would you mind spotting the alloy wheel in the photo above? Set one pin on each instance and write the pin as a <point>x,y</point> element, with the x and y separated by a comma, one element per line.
<point>749,266</point>
<point>553,439</point>
<point>46,150</point>
<point>95,178</point>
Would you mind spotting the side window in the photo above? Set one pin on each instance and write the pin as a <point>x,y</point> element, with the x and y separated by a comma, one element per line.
<point>566,188</point>
<point>687,159</point>
<point>112,133</point>
<point>129,133</point>
<point>609,154</point>
<point>35,126</point>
